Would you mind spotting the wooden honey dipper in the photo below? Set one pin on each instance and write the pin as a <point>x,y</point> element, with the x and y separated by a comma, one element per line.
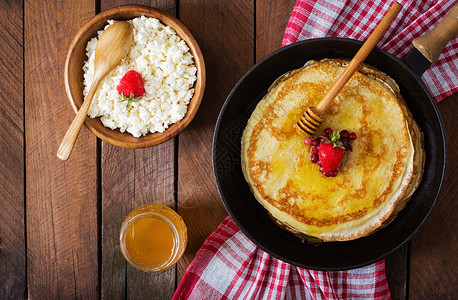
<point>313,116</point>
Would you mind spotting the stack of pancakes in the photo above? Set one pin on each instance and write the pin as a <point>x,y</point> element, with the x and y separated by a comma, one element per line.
<point>372,186</point>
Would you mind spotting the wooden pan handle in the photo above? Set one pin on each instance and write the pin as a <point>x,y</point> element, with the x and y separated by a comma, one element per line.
<point>432,43</point>
<point>363,52</point>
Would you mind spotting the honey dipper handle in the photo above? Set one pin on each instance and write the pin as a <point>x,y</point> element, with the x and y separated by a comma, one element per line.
<point>432,43</point>
<point>359,58</point>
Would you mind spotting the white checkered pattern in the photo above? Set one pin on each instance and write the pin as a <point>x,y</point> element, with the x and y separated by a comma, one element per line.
<point>230,266</point>
<point>356,19</point>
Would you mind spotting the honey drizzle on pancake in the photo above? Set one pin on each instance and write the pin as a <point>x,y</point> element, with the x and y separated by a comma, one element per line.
<point>287,198</point>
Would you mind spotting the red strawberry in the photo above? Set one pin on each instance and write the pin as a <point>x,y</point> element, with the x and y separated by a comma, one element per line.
<point>331,152</point>
<point>330,156</point>
<point>131,87</point>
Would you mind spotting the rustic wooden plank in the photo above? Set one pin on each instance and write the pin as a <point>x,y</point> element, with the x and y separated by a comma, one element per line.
<point>225,33</point>
<point>12,226</point>
<point>165,5</point>
<point>271,20</point>
<point>154,183</point>
<point>117,193</point>
<point>433,259</point>
<point>396,267</point>
<point>131,178</point>
<point>61,196</point>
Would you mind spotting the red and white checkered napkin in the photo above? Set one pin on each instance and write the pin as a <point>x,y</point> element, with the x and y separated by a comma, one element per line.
<point>230,266</point>
<point>357,19</point>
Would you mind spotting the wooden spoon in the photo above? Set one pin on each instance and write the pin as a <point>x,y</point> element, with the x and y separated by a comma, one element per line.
<point>113,46</point>
<point>313,116</point>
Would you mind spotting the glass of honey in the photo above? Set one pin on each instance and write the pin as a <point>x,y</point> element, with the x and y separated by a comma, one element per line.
<point>153,237</point>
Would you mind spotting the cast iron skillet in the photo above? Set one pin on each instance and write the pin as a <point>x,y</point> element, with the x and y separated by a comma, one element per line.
<point>253,219</point>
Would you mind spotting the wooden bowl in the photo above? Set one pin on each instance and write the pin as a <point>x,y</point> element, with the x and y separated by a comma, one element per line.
<point>76,57</point>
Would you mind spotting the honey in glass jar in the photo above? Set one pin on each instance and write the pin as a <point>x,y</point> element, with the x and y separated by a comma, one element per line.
<point>153,237</point>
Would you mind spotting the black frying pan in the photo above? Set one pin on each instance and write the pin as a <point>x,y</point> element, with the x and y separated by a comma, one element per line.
<point>253,219</point>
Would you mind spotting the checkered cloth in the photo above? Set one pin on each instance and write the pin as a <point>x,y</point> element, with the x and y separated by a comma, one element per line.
<point>356,19</point>
<point>230,266</point>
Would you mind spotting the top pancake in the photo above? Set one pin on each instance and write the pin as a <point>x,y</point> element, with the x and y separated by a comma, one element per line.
<point>370,184</point>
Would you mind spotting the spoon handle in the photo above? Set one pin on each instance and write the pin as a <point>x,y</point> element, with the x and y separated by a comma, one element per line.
<point>66,146</point>
<point>358,58</point>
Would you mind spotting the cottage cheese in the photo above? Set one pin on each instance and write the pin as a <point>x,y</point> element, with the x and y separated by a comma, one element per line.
<point>168,71</point>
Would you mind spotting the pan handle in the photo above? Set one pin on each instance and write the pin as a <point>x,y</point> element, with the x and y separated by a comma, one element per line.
<point>432,43</point>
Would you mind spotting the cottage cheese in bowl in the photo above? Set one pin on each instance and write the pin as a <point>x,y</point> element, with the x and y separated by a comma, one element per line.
<point>168,71</point>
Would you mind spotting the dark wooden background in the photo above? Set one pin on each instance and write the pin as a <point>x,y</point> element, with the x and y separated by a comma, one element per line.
<point>59,221</point>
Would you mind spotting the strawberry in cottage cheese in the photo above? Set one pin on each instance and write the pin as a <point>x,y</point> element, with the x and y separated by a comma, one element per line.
<point>167,68</point>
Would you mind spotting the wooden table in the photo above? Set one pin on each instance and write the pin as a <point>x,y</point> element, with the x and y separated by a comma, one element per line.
<point>59,221</point>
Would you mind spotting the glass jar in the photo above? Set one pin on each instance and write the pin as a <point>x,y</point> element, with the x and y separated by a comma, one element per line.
<point>153,237</point>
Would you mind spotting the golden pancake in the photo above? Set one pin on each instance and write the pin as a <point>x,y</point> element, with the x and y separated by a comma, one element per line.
<point>372,186</point>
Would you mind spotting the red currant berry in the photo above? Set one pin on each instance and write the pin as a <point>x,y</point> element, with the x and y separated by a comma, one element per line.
<point>327,131</point>
<point>314,158</point>
<point>314,151</point>
<point>315,142</point>
<point>346,144</point>
<point>308,141</point>
<point>344,134</point>
<point>353,136</point>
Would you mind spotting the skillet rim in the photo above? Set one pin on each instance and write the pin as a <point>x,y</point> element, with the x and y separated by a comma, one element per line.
<point>419,84</point>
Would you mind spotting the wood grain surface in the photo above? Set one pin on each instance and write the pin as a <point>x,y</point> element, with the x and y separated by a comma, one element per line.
<point>60,222</point>
<point>396,268</point>
<point>433,256</point>
<point>12,226</point>
<point>228,49</point>
<point>130,178</point>
<point>61,197</point>
<point>271,20</point>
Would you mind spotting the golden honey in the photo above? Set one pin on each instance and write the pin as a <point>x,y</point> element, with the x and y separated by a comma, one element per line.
<point>153,237</point>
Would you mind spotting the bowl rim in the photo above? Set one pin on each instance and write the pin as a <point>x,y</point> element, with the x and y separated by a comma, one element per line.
<point>150,139</point>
